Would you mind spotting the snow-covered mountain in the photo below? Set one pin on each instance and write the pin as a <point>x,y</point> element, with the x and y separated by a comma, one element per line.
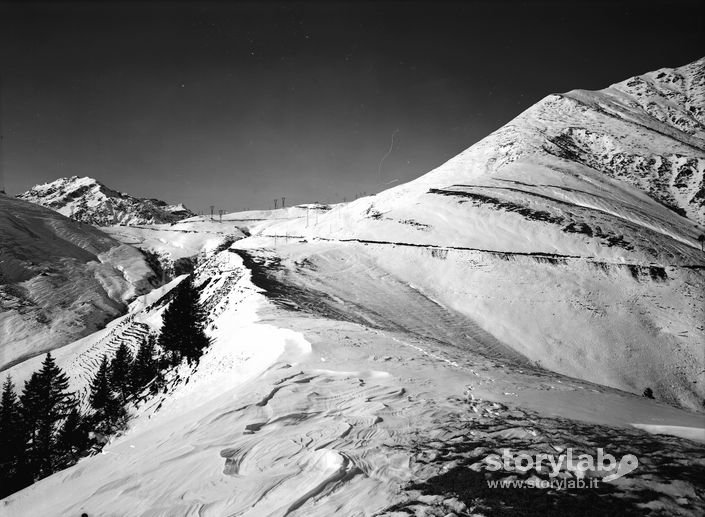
<point>59,279</point>
<point>561,233</point>
<point>595,163</point>
<point>89,201</point>
<point>367,360</point>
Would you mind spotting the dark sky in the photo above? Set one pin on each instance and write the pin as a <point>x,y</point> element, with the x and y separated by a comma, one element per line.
<point>234,104</point>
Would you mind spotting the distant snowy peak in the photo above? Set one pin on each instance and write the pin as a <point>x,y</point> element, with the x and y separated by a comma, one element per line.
<point>89,201</point>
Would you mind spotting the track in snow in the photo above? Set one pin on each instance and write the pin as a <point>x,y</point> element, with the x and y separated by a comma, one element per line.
<point>84,365</point>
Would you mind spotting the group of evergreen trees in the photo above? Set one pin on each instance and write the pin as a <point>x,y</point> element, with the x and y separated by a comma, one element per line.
<point>43,430</point>
<point>118,381</point>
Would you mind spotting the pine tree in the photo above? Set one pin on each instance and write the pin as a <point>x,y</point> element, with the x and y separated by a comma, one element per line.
<point>73,438</point>
<point>183,324</point>
<point>173,331</point>
<point>101,393</point>
<point>120,371</point>
<point>108,410</point>
<point>31,408</point>
<point>46,402</point>
<point>145,367</point>
<point>12,441</point>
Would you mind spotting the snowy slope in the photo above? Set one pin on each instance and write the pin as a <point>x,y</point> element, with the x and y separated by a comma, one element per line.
<point>59,279</point>
<point>89,201</point>
<point>197,236</point>
<point>298,413</point>
<point>586,173</point>
<point>560,233</point>
<point>167,243</point>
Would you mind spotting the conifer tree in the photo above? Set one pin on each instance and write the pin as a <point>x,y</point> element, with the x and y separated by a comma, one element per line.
<point>30,406</point>
<point>120,371</point>
<point>72,438</point>
<point>12,441</point>
<point>108,410</point>
<point>46,402</point>
<point>183,324</point>
<point>145,367</point>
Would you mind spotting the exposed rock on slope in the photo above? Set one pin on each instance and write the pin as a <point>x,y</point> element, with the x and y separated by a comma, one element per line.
<point>663,155</point>
<point>89,201</point>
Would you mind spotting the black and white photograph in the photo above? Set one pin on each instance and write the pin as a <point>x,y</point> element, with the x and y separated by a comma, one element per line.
<point>356,258</point>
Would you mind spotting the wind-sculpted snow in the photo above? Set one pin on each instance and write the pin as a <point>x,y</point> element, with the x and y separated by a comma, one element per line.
<point>314,435</point>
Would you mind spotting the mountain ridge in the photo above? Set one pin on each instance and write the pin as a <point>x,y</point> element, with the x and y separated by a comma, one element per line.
<point>595,187</point>
<point>87,200</point>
